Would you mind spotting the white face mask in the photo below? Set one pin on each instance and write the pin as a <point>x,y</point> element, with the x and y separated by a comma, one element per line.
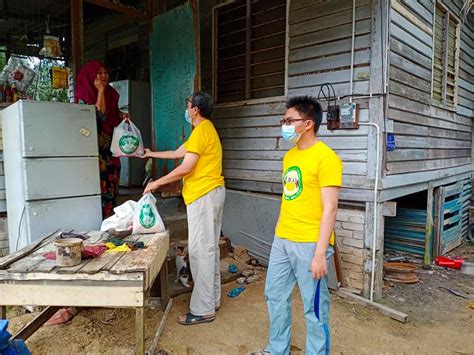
<point>288,133</point>
<point>187,117</point>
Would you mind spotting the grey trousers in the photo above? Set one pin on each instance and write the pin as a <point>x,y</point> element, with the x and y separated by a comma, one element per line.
<point>204,229</point>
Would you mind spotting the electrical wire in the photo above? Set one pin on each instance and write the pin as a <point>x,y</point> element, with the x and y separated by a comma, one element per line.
<point>19,229</point>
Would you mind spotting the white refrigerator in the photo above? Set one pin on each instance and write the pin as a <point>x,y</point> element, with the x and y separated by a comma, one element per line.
<point>51,170</point>
<point>135,99</point>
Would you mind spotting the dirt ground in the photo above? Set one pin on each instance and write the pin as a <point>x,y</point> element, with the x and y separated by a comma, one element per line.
<point>439,323</point>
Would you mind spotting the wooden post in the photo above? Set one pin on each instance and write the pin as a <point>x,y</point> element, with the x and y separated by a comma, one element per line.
<point>77,34</point>
<point>429,225</point>
<point>140,330</point>
<point>3,312</point>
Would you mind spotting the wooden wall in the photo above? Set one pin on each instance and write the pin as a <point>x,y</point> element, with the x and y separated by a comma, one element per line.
<point>319,51</point>
<point>427,137</point>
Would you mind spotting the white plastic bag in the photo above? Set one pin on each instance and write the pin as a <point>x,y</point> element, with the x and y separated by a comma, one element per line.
<point>146,218</point>
<point>122,219</point>
<point>127,140</point>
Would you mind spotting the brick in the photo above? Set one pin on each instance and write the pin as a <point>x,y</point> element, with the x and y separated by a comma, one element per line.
<point>357,219</point>
<point>352,226</point>
<point>343,232</point>
<point>358,276</point>
<point>342,217</point>
<point>352,268</point>
<point>358,285</point>
<point>356,243</point>
<point>358,235</point>
<point>357,260</point>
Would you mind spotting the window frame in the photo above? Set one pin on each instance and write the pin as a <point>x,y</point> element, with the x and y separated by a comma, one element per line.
<point>448,15</point>
<point>250,101</point>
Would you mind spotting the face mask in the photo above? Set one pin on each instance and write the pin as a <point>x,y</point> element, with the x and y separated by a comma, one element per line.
<point>288,133</point>
<point>187,117</point>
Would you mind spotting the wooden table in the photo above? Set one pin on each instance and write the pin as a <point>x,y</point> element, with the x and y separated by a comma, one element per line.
<point>131,279</point>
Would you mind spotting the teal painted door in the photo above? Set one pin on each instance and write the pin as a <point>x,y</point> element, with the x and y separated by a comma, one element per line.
<point>173,71</point>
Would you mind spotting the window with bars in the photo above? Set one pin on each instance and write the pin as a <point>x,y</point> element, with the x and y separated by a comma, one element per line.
<point>446,57</point>
<point>249,50</point>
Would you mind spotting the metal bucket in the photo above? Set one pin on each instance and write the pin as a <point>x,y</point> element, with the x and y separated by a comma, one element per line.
<point>68,251</point>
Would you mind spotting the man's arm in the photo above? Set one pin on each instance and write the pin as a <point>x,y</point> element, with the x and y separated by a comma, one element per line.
<point>187,166</point>
<point>169,154</point>
<point>330,198</point>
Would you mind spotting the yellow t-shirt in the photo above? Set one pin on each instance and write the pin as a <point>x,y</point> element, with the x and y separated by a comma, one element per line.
<point>207,174</point>
<point>305,172</point>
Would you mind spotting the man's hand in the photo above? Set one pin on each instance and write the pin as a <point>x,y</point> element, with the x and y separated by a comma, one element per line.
<point>319,267</point>
<point>151,187</point>
<point>146,154</point>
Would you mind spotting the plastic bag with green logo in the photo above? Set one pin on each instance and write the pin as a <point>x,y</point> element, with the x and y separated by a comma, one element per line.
<point>146,218</point>
<point>126,140</point>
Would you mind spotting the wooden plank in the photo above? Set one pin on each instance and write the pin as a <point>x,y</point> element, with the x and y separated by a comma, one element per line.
<point>120,8</point>
<point>333,20</point>
<point>94,295</point>
<point>417,130</point>
<point>412,17</point>
<point>397,114</point>
<point>304,10</point>
<point>424,154</point>
<point>140,331</point>
<point>241,110</point>
<point>334,77</point>
<point>161,327</point>
<point>332,34</point>
<point>275,131</point>
<point>399,102</point>
<point>405,37</point>
<point>360,88</point>
<point>25,264</point>
<point>419,10</point>
<point>323,49</point>
<point>331,62</point>
<point>142,259</point>
<point>409,92</point>
<point>429,226</point>
<point>419,33</point>
<point>407,51</point>
<point>335,143</point>
<point>413,166</point>
<point>409,66</point>
<point>430,142</point>
<point>392,313</point>
<point>29,329</point>
<point>10,259</point>
<point>345,155</point>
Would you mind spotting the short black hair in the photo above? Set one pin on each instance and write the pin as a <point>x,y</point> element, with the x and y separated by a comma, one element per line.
<point>308,107</point>
<point>204,102</point>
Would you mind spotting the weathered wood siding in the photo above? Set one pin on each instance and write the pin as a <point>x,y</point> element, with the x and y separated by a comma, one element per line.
<point>319,51</point>
<point>427,137</point>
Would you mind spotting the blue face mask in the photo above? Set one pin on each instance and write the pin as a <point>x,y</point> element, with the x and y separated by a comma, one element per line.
<point>288,133</point>
<point>187,117</point>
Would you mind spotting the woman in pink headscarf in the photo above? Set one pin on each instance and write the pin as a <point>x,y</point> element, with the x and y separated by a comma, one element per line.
<point>92,88</point>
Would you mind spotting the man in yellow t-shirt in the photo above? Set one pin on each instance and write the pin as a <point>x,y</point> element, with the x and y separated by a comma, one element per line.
<point>312,176</point>
<point>204,196</point>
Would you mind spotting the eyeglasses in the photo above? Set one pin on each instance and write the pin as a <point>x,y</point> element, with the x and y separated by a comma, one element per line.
<point>186,100</point>
<point>289,121</point>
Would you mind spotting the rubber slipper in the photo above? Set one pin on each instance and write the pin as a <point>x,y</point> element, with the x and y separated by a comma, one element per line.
<point>235,291</point>
<point>192,319</point>
<point>232,268</point>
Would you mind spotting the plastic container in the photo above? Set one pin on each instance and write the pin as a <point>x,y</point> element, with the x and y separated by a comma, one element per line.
<point>10,347</point>
<point>68,251</point>
<point>453,263</point>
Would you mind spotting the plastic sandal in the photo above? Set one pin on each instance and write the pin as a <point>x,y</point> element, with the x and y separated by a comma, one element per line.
<point>232,268</point>
<point>192,319</point>
<point>235,291</point>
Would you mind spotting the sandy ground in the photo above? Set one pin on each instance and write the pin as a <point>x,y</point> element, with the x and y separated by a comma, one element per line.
<point>439,323</point>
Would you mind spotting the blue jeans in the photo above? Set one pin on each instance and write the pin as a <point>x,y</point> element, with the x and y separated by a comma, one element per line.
<point>290,263</point>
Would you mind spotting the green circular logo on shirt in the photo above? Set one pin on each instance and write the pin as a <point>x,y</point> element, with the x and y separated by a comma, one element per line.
<point>129,144</point>
<point>292,183</point>
<point>147,217</point>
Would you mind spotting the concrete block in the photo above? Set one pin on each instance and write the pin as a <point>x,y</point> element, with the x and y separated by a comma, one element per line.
<point>356,243</point>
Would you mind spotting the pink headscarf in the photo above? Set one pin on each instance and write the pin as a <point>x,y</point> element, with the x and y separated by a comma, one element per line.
<point>86,91</point>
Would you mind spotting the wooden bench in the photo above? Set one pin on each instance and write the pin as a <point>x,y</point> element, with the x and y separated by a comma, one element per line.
<point>133,279</point>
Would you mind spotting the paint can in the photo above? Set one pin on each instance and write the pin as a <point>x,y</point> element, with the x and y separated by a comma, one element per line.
<point>68,251</point>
